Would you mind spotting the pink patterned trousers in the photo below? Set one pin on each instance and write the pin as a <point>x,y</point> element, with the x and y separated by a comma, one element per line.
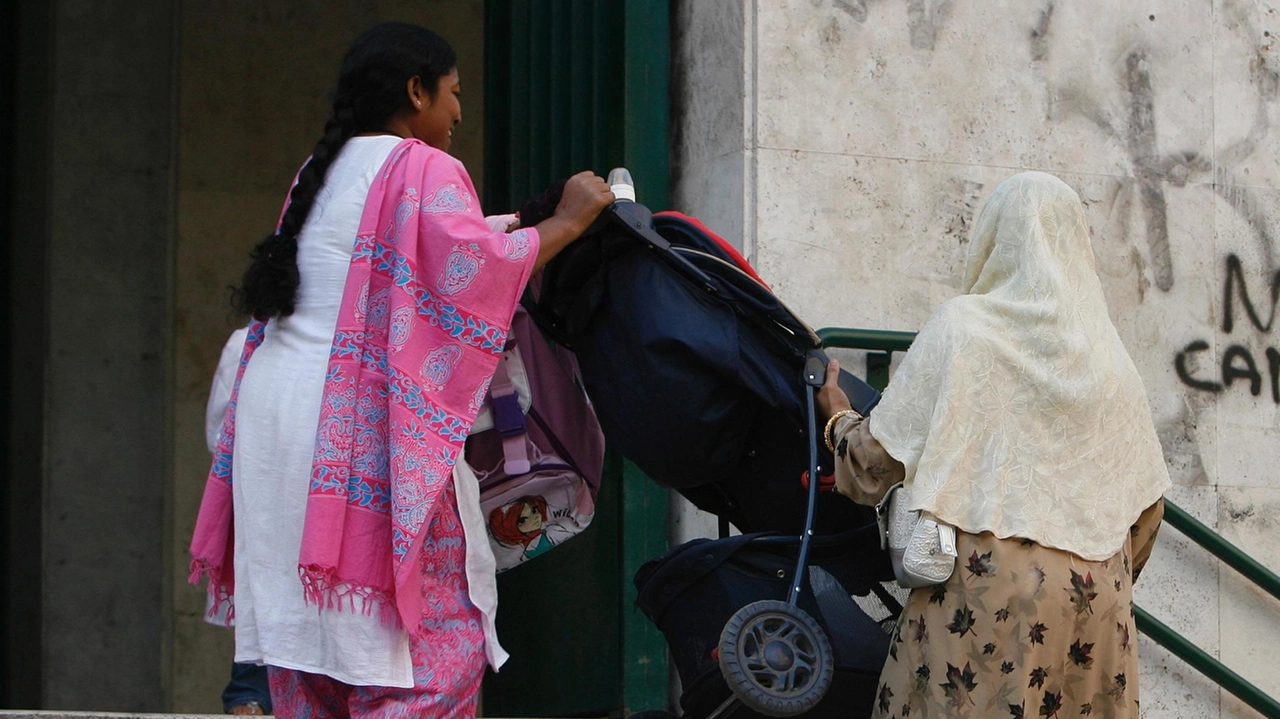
<point>448,657</point>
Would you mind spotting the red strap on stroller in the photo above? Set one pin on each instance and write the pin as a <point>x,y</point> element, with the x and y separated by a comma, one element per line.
<point>729,249</point>
<point>826,482</point>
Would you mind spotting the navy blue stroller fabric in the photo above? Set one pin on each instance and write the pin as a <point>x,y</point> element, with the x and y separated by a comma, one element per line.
<point>694,368</point>
<point>691,592</point>
<point>697,375</point>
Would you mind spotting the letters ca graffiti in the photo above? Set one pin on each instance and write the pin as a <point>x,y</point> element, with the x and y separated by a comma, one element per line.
<point>1239,362</point>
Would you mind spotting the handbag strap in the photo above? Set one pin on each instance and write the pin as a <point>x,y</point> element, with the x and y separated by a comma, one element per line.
<point>890,602</point>
<point>508,419</point>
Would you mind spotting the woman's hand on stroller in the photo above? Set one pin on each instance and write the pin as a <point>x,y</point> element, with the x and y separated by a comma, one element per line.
<point>864,470</point>
<point>585,195</point>
<point>830,397</point>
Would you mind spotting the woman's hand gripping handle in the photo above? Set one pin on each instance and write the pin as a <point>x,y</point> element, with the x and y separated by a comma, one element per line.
<point>864,470</point>
<point>585,195</point>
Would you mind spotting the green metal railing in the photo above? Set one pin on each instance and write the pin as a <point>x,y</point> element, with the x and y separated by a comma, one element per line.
<point>881,344</point>
<point>1197,532</point>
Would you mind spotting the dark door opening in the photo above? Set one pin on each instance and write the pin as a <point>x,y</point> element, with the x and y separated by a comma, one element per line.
<point>573,85</point>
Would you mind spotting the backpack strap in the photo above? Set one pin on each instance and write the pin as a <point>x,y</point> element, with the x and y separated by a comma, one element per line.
<point>508,420</point>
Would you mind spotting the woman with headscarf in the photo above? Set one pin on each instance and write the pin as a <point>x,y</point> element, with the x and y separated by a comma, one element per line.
<point>1017,417</point>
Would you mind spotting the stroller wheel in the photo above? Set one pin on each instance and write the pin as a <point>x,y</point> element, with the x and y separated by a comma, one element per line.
<point>776,658</point>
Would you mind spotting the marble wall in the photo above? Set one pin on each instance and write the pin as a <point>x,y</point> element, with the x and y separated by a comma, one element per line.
<point>848,143</point>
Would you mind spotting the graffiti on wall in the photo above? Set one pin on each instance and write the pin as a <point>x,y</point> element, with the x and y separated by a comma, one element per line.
<point>1152,170</point>
<point>1256,365</point>
<point>1124,110</point>
<point>924,17</point>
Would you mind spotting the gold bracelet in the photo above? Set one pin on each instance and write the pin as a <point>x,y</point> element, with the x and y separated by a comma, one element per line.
<point>831,423</point>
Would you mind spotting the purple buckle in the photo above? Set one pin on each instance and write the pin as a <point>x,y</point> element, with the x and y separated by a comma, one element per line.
<point>508,420</point>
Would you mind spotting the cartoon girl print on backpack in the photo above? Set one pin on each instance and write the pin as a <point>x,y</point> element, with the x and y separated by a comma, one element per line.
<point>525,522</point>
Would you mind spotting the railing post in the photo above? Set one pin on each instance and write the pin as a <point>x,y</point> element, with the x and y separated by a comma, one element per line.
<point>878,369</point>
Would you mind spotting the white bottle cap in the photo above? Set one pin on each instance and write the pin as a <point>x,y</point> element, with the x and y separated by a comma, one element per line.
<point>622,185</point>
<point>624,192</point>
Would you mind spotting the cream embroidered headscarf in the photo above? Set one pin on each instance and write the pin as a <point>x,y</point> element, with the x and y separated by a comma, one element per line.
<point>1017,410</point>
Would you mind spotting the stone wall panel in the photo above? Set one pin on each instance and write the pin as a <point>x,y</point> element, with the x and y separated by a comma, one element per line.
<point>876,129</point>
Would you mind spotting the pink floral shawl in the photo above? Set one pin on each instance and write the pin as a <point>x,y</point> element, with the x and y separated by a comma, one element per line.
<point>425,313</point>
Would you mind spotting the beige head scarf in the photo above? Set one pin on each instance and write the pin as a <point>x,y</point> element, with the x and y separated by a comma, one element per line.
<point>1017,410</point>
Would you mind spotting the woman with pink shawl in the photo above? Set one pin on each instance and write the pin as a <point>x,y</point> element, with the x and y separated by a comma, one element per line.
<point>339,530</point>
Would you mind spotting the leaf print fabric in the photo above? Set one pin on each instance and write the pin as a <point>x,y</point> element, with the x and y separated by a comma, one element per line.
<point>958,685</point>
<point>963,622</point>
<point>1079,654</point>
<point>1082,592</point>
<point>980,566</point>
<point>1023,631</point>
<point>1052,703</point>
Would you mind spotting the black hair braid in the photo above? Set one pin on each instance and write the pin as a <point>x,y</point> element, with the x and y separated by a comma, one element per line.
<point>371,88</point>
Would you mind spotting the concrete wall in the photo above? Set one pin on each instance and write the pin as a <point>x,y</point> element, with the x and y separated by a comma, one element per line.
<point>254,82</point>
<point>848,144</point>
<point>109,223</point>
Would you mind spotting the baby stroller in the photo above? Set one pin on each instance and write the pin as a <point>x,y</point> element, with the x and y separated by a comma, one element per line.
<point>706,381</point>
<point>741,653</point>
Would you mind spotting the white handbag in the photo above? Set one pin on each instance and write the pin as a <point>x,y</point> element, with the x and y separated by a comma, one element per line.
<point>922,549</point>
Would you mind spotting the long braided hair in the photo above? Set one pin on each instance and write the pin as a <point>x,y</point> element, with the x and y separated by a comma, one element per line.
<point>371,88</point>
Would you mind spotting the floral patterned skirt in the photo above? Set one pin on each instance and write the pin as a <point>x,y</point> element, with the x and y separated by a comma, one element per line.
<point>1020,630</point>
<point>448,659</point>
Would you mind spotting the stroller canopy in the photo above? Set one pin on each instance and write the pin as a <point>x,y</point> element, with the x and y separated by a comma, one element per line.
<point>693,365</point>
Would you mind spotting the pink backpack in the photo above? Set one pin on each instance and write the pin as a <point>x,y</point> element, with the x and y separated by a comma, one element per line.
<point>536,448</point>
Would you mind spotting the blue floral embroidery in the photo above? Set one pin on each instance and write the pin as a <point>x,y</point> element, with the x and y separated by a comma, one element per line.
<point>329,480</point>
<point>362,492</point>
<point>516,245</point>
<point>375,361</point>
<point>257,329</point>
<point>342,401</point>
<point>460,269</point>
<point>400,542</point>
<point>222,466</point>
<point>379,306</point>
<point>332,441</point>
<point>369,454</point>
<point>477,400</point>
<point>409,395</point>
<point>346,345</point>
<point>401,327</point>
<point>448,199</point>
<point>362,302</point>
<point>438,366</point>
<point>412,498</point>
<point>404,210</point>
<point>469,330</point>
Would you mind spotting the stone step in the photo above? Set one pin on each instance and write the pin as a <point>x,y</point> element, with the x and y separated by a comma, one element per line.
<point>56,714</point>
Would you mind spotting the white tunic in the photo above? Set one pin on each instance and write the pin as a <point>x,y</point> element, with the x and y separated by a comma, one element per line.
<point>276,418</point>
